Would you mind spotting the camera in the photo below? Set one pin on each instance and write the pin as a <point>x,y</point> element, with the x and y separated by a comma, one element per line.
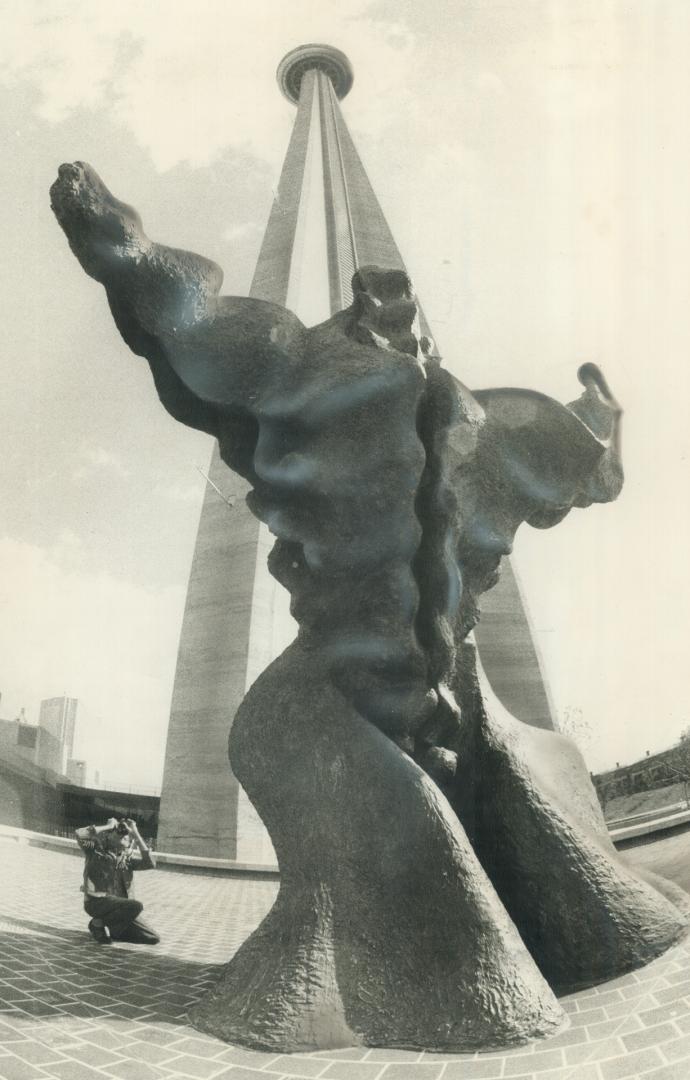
<point>121,828</point>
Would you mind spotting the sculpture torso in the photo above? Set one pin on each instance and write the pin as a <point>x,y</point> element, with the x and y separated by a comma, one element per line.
<point>393,492</point>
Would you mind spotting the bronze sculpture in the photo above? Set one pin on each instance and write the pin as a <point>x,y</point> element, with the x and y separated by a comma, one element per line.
<point>444,869</point>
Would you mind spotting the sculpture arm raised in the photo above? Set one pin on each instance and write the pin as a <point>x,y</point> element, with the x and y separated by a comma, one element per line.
<point>208,354</point>
<point>534,462</point>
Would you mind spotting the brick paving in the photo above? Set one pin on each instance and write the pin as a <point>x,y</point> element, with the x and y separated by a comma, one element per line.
<point>70,1010</point>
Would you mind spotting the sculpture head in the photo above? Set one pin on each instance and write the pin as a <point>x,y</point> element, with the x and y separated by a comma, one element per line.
<point>98,226</point>
<point>385,309</point>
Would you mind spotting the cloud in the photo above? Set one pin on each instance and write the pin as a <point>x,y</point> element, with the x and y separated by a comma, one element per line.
<point>98,460</point>
<point>107,642</point>
<point>189,80</point>
<point>179,493</point>
<point>239,232</point>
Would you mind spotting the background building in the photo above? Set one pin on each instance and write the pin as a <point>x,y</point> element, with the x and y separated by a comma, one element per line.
<point>36,764</point>
<point>37,793</point>
<point>32,743</point>
<point>57,717</point>
<point>76,771</point>
<point>653,772</point>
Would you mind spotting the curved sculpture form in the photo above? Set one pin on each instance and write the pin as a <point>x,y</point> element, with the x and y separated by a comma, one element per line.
<point>441,864</point>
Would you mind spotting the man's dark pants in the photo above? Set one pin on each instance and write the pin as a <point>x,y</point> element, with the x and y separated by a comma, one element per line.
<point>121,916</point>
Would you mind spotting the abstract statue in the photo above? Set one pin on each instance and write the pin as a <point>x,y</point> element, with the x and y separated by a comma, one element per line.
<point>445,870</point>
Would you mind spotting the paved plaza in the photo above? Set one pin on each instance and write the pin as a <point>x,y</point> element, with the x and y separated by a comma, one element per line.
<point>71,1010</point>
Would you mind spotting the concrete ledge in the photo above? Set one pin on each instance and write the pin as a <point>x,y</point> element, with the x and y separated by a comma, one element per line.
<point>199,864</point>
<point>645,815</point>
<point>644,828</point>
<point>36,839</point>
<point>164,860</point>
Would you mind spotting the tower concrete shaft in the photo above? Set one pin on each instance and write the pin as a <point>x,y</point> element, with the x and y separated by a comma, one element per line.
<point>232,604</point>
<point>358,233</point>
<point>236,617</point>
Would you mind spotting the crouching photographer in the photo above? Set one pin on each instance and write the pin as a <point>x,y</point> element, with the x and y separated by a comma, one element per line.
<point>112,853</point>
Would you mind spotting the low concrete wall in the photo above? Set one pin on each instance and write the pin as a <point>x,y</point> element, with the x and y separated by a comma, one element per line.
<point>662,823</point>
<point>164,860</point>
<point>645,815</point>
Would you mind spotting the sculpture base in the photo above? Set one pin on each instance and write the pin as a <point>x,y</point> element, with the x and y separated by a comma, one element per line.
<point>530,810</point>
<point>626,1026</point>
<point>387,931</point>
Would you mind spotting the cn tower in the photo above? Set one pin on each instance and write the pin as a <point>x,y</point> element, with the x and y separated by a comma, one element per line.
<point>325,222</point>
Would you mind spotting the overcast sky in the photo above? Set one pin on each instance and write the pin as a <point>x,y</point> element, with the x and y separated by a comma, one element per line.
<point>533,160</point>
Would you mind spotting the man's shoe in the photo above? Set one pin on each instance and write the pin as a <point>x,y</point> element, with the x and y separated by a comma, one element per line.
<point>100,934</point>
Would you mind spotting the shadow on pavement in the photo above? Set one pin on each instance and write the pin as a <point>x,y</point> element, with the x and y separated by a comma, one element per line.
<point>75,936</point>
<point>64,972</point>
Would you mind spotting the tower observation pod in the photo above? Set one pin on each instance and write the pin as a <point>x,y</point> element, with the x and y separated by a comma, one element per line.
<point>324,223</point>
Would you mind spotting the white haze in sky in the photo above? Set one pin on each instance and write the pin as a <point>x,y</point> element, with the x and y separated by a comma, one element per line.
<point>533,162</point>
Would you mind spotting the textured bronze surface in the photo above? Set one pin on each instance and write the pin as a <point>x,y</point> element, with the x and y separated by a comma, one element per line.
<point>394,494</point>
